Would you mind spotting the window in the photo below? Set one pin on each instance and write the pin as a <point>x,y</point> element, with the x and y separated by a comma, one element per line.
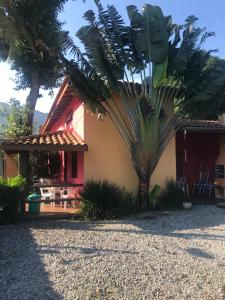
<point>74,165</point>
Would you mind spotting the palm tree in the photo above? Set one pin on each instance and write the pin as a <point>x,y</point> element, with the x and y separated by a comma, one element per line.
<point>137,75</point>
<point>31,40</point>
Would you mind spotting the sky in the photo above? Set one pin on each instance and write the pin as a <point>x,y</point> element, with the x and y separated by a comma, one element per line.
<point>211,14</point>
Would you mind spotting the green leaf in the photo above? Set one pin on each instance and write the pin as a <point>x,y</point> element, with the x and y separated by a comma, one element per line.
<point>151,32</point>
<point>159,73</point>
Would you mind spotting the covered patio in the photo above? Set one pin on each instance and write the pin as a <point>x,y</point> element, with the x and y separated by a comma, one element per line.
<point>199,154</point>
<point>60,189</point>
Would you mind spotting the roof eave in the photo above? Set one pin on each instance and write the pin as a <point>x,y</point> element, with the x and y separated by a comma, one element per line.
<point>17,148</point>
<point>203,129</point>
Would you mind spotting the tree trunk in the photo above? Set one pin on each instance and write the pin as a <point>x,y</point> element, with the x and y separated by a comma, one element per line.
<point>32,99</point>
<point>143,194</point>
<point>30,104</point>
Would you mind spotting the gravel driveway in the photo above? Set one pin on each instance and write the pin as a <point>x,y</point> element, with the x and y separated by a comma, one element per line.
<point>176,256</point>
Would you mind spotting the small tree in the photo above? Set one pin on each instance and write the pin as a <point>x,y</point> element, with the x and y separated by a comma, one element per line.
<point>16,120</point>
<point>16,125</point>
<point>145,66</point>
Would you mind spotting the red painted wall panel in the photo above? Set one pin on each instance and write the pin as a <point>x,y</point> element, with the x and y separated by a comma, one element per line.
<point>202,151</point>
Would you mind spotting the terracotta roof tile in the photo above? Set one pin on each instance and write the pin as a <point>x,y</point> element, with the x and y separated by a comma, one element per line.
<point>202,124</point>
<point>48,138</point>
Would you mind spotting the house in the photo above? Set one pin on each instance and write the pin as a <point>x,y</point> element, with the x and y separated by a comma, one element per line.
<point>93,149</point>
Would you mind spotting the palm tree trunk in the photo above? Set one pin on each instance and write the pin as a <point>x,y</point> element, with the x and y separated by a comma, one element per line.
<point>143,194</point>
<point>32,99</point>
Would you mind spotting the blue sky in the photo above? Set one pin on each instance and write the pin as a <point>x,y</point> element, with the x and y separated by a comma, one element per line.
<point>211,14</point>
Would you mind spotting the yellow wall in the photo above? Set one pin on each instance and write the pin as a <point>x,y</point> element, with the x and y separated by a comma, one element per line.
<point>11,168</point>
<point>166,167</point>
<point>108,157</point>
<point>78,120</point>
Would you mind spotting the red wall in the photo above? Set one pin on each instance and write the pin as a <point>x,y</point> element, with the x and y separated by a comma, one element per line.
<point>60,124</point>
<point>202,150</point>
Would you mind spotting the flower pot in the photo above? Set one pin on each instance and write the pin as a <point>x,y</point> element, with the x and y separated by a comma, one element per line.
<point>187,205</point>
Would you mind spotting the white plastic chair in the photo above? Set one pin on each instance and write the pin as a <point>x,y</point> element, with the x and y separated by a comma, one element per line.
<point>69,192</point>
<point>57,194</point>
<point>65,194</point>
<point>46,194</point>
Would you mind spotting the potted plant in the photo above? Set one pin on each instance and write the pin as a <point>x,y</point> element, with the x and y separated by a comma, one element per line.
<point>187,204</point>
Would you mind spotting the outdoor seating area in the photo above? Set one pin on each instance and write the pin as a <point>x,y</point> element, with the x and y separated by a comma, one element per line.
<point>203,186</point>
<point>52,195</point>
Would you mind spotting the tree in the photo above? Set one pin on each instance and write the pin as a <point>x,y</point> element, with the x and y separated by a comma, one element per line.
<point>207,99</point>
<point>16,120</point>
<point>137,74</point>
<point>32,39</point>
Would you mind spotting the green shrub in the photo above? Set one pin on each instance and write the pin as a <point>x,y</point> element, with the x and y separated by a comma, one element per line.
<point>11,192</point>
<point>105,200</point>
<point>2,180</point>
<point>153,195</point>
<point>17,181</point>
<point>171,197</point>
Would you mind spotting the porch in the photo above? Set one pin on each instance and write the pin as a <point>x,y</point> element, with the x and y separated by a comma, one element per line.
<point>59,175</point>
<point>200,160</point>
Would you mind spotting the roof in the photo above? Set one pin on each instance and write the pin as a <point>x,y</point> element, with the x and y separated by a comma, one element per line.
<point>54,141</point>
<point>65,95</point>
<point>62,100</point>
<point>202,125</point>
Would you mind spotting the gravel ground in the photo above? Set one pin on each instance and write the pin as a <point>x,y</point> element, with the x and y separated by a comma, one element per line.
<point>175,256</point>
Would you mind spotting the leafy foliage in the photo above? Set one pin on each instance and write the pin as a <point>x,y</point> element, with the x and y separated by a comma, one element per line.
<point>104,200</point>
<point>201,75</point>
<point>45,164</point>
<point>206,90</point>
<point>16,181</point>
<point>11,192</point>
<point>32,41</point>
<point>154,195</point>
<point>171,196</point>
<point>16,120</point>
<point>31,38</point>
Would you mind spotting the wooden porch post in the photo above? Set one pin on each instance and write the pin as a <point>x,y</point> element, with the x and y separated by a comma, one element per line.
<point>24,171</point>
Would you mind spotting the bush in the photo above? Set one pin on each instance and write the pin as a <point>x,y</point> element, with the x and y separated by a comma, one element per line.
<point>17,181</point>
<point>153,195</point>
<point>11,192</point>
<point>171,197</point>
<point>105,200</point>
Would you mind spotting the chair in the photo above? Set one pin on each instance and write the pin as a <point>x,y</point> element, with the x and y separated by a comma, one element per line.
<point>45,180</point>
<point>183,185</point>
<point>202,182</point>
<point>57,194</point>
<point>46,194</point>
<point>69,192</point>
<point>65,195</point>
<point>210,187</point>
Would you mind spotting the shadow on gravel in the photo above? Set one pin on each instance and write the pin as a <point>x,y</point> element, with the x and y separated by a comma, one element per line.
<point>84,250</point>
<point>22,274</point>
<point>199,253</point>
<point>51,250</point>
<point>200,218</point>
